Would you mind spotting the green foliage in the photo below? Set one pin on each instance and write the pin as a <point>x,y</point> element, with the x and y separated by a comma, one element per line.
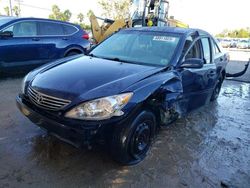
<point>89,13</point>
<point>237,33</point>
<point>16,11</point>
<point>83,25</point>
<point>115,9</point>
<point>58,15</point>
<point>80,17</point>
<point>7,11</point>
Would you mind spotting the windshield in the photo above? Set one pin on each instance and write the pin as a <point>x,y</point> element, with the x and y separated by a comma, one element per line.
<point>4,20</point>
<point>150,48</point>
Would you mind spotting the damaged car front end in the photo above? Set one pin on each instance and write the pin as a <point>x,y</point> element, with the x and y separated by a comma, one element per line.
<point>123,89</point>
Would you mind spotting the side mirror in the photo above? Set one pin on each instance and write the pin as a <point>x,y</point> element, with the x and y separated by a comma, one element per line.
<point>6,34</point>
<point>193,63</point>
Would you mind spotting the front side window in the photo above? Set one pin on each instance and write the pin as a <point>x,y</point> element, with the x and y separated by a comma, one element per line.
<point>206,49</point>
<point>150,48</point>
<point>23,29</point>
<point>194,51</point>
<point>50,29</point>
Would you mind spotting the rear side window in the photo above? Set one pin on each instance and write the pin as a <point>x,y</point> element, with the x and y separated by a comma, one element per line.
<point>23,29</point>
<point>216,49</point>
<point>206,49</point>
<point>69,30</point>
<point>50,29</point>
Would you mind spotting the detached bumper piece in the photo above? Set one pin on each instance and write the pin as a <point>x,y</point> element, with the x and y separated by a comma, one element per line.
<point>77,137</point>
<point>238,74</point>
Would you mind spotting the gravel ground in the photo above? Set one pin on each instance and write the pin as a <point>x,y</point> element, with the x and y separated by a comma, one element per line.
<point>208,148</point>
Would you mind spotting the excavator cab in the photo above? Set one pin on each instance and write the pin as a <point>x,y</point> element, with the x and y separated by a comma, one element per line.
<point>149,13</point>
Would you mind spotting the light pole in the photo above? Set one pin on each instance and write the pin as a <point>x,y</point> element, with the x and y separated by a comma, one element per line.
<point>11,13</point>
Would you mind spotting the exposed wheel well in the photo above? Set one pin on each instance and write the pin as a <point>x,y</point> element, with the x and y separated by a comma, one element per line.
<point>164,113</point>
<point>155,109</point>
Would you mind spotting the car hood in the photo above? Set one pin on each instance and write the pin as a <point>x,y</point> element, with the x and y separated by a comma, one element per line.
<point>88,78</point>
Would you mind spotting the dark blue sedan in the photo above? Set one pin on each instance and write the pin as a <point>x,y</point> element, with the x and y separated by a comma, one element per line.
<point>29,42</point>
<point>125,88</point>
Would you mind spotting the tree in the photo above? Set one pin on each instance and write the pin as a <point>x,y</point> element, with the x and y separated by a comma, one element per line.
<point>80,17</point>
<point>66,15</point>
<point>58,15</point>
<point>242,33</point>
<point>115,9</point>
<point>237,33</point>
<point>16,11</point>
<point>89,13</point>
<point>7,11</point>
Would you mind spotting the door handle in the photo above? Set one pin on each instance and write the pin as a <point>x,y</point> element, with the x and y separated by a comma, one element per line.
<point>35,39</point>
<point>64,38</point>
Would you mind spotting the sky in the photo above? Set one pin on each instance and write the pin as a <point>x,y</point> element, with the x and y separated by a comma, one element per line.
<point>210,15</point>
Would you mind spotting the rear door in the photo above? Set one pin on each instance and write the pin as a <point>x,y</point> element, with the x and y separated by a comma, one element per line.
<point>219,58</point>
<point>54,39</point>
<point>23,48</point>
<point>198,82</point>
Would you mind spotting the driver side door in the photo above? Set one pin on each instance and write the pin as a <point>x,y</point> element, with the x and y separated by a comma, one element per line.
<point>197,82</point>
<point>23,48</point>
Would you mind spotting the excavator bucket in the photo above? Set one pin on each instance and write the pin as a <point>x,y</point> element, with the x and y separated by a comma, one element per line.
<point>95,27</point>
<point>109,27</point>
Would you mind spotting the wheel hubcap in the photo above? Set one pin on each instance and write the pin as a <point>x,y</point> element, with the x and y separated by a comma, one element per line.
<point>141,140</point>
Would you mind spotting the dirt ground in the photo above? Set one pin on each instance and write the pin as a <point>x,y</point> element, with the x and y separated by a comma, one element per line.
<point>208,148</point>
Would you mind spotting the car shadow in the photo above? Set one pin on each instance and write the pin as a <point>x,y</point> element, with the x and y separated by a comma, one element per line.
<point>172,144</point>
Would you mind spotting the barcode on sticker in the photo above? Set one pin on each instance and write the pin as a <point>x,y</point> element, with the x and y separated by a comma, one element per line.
<point>164,38</point>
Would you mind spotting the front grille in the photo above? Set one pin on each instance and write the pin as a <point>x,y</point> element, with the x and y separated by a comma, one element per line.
<point>45,101</point>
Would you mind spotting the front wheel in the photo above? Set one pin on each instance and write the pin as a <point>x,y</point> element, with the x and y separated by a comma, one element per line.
<point>130,143</point>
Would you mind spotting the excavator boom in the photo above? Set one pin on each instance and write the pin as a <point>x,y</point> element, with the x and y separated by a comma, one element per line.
<point>146,13</point>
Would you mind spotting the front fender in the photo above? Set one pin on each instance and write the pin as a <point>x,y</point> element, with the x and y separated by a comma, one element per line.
<point>160,88</point>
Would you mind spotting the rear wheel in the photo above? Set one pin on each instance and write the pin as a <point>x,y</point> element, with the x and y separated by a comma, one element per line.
<point>131,143</point>
<point>72,53</point>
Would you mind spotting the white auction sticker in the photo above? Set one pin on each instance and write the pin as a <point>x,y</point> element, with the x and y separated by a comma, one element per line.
<point>164,38</point>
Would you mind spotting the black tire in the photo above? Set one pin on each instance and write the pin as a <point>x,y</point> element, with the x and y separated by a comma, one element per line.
<point>72,53</point>
<point>216,91</point>
<point>130,143</point>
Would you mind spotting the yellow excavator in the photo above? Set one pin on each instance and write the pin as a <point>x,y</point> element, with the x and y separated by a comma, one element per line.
<point>143,13</point>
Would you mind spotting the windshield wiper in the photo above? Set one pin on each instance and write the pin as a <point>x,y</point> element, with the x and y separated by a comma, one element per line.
<point>119,60</point>
<point>92,55</point>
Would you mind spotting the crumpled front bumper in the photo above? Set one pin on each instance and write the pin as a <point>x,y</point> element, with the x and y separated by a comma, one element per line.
<point>73,133</point>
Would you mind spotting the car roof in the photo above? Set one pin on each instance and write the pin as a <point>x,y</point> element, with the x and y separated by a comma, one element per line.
<point>177,30</point>
<point>39,19</point>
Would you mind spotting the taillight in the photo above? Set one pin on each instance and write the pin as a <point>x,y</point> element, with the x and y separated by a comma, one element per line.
<point>86,36</point>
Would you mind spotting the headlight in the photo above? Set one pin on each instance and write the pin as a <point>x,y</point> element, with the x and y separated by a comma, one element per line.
<point>24,83</point>
<point>100,109</point>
